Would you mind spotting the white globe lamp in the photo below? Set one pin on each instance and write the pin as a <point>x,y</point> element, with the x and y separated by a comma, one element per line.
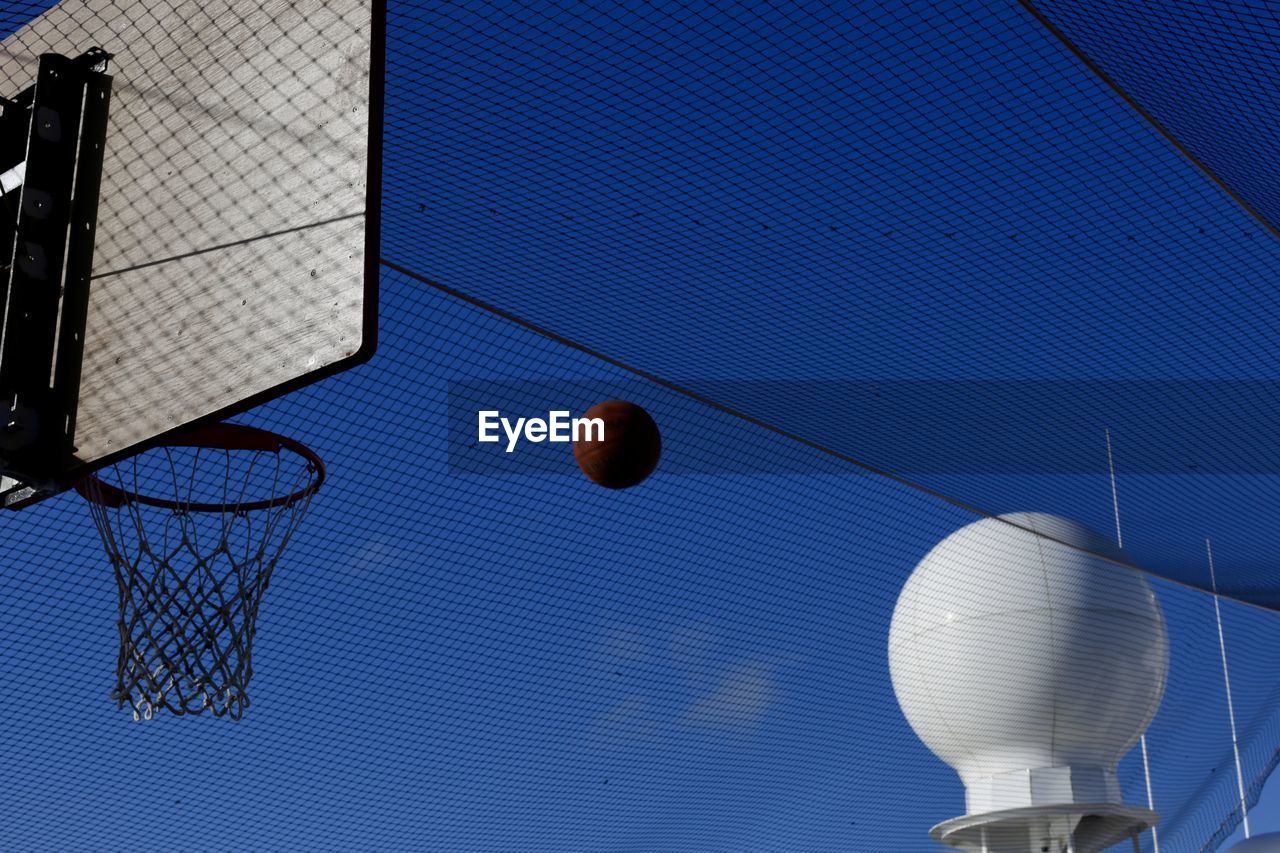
<point>1031,667</point>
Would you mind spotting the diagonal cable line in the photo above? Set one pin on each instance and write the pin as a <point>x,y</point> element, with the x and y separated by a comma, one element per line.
<point>1146,115</point>
<point>702,399</point>
<point>232,244</point>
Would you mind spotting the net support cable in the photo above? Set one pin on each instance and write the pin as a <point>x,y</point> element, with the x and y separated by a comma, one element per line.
<point>757,422</point>
<point>1155,123</point>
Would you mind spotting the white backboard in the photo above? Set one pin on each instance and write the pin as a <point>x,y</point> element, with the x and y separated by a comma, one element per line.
<point>235,253</point>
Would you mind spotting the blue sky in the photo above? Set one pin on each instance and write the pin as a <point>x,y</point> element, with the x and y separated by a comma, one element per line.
<point>853,193</point>
<point>516,661</point>
<point>450,662</point>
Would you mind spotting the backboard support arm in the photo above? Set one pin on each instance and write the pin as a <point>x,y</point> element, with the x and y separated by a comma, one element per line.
<point>51,150</point>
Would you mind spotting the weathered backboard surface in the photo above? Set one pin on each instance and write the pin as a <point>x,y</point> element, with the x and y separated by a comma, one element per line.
<point>236,248</point>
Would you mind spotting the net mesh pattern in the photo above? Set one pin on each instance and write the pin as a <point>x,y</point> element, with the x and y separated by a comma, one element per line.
<point>696,664</point>
<point>235,148</point>
<point>1225,53</point>
<point>876,270</point>
<point>873,194</point>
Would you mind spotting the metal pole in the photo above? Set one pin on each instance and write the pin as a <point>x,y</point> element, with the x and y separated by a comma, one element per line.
<point>1146,762</point>
<point>1226,680</point>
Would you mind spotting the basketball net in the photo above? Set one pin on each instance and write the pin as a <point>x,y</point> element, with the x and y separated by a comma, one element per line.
<point>193,529</point>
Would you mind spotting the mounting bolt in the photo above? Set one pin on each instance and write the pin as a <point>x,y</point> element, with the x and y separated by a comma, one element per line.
<point>18,428</point>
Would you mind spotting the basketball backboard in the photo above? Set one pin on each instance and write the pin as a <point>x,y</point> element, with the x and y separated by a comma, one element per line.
<point>235,251</point>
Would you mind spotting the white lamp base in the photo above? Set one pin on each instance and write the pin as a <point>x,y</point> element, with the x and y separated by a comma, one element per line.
<point>1068,828</point>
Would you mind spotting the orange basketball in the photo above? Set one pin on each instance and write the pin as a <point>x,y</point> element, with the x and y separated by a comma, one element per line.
<point>630,449</point>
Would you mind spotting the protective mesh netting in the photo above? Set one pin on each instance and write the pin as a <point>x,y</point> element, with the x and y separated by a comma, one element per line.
<point>786,211</point>
<point>858,195</point>
<point>480,661</point>
<point>1225,54</point>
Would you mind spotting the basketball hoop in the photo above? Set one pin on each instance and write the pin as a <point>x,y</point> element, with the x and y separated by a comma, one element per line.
<point>194,527</point>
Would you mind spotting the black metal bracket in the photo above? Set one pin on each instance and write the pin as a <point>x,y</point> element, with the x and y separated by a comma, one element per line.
<point>52,137</point>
